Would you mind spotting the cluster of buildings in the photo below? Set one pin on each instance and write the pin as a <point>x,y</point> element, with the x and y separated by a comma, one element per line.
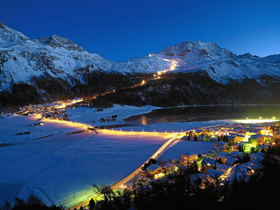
<point>237,154</point>
<point>56,110</point>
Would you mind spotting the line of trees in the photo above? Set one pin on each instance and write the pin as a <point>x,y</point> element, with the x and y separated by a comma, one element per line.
<point>32,203</point>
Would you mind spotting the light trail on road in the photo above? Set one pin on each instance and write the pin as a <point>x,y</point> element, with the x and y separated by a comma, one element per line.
<point>130,176</point>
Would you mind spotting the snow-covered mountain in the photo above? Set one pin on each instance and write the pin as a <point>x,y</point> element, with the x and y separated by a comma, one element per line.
<point>22,58</point>
<point>220,63</point>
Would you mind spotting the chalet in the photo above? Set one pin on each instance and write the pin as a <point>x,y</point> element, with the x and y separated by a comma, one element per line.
<point>155,171</point>
<point>188,158</point>
<point>256,138</point>
<point>267,138</point>
<point>234,147</point>
<point>236,154</point>
<point>239,138</point>
<point>208,163</point>
<point>231,139</point>
<point>222,167</point>
<point>231,161</point>
<point>220,158</point>
<point>215,173</point>
<point>169,167</point>
<point>221,145</point>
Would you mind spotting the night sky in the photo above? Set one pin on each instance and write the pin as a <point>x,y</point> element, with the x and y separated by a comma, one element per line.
<point>122,29</point>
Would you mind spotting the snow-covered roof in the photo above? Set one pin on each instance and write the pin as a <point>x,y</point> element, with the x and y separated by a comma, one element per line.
<point>207,160</point>
<point>231,161</point>
<point>235,153</point>
<point>215,173</point>
<point>222,166</point>
<point>153,167</point>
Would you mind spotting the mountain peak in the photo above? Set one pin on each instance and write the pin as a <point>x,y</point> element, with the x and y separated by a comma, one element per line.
<point>10,36</point>
<point>2,25</point>
<point>56,41</point>
<point>210,48</point>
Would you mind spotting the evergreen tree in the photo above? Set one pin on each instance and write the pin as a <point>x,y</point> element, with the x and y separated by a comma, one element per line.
<point>91,204</point>
<point>7,206</point>
<point>19,204</point>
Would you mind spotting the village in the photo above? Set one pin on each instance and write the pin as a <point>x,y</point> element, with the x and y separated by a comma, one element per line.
<point>238,152</point>
<point>238,148</point>
<point>55,110</point>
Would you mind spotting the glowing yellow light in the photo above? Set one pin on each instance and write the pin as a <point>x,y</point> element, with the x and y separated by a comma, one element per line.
<point>143,82</point>
<point>172,66</point>
<point>252,121</point>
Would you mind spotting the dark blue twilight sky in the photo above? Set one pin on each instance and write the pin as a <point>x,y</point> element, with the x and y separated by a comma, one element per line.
<point>121,29</point>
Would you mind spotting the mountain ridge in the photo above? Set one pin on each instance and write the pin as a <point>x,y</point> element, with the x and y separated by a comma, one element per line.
<point>21,58</point>
<point>54,68</point>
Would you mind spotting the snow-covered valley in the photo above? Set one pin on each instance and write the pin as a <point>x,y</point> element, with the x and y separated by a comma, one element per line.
<point>63,166</point>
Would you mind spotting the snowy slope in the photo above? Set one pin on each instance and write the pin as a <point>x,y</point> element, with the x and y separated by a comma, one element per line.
<point>22,57</point>
<point>220,63</point>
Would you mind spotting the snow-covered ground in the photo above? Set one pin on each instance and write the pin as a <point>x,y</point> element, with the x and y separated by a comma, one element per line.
<point>182,147</point>
<point>63,166</point>
<point>57,166</point>
<point>92,116</point>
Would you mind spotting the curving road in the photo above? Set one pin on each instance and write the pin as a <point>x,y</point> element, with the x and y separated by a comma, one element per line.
<point>85,202</point>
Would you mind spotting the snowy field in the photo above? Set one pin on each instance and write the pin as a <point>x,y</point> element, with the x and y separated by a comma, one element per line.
<point>63,166</point>
<point>56,165</point>
<point>182,147</point>
<point>92,116</point>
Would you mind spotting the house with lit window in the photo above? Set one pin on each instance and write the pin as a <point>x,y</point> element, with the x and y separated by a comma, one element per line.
<point>221,146</point>
<point>222,167</point>
<point>239,137</point>
<point>234,147</point>
<point>208,163</point>
<point>155,171</point>
<point>215,174</point>
<point>257,138</point>
<point>188,158</point>
<point>231,139</point>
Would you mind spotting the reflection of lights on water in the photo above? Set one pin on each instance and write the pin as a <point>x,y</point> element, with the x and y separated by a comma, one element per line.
<point>260,120</point>
<point>144,120</point>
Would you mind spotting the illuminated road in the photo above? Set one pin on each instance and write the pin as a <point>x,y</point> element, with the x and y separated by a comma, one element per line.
<point>87,198</point>
<point>172,67</point>
<point>113,91</point>
<point>83,199</point>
